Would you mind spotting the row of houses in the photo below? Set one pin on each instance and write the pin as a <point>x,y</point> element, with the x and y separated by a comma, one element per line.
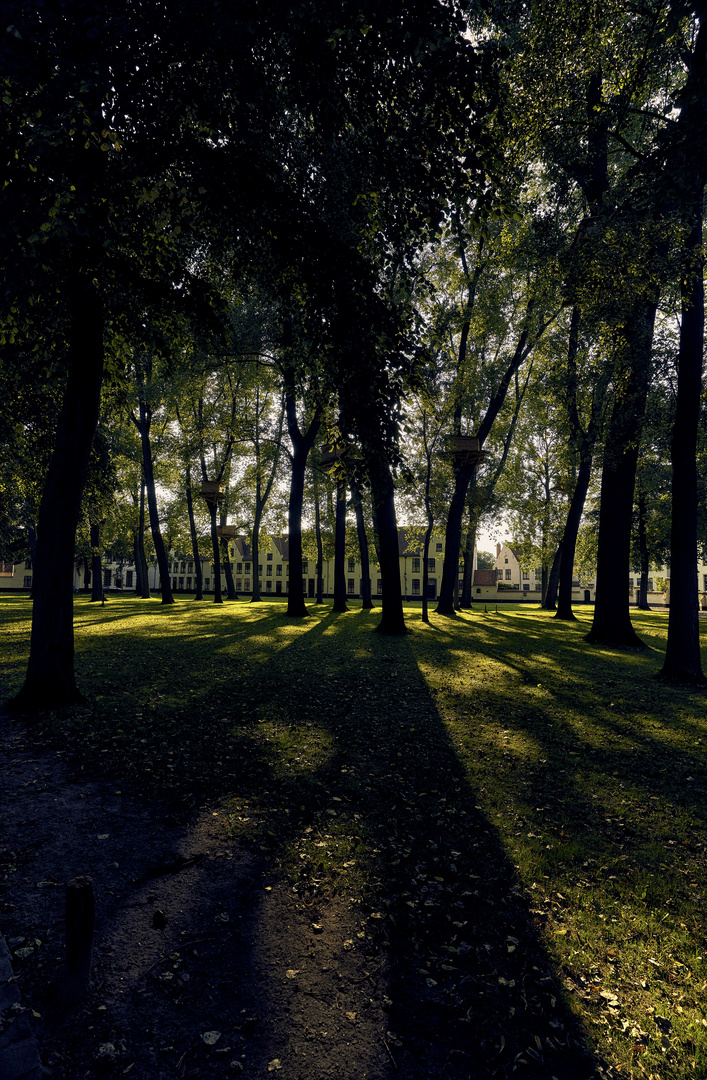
<point>510,579</point>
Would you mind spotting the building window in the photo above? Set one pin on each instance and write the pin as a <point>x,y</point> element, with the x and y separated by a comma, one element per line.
<point>505,560</point>
<point>184,566</point>
<point>239,583</point>
<point>181,583</point>
<point>207,583</point>
<point>268,585</point>
<point>438,547</point>
<point>526,586</point>
<point>379,587</point>
<point>190,568</point>
<point>478,589</point>
<point>27,581</point>
<point>128,579</point>
<point>416,566</point>
<point>630,583</point>
<point>106,578</point>
<point>246,568</point>
<point>268,557</point>
<point>260,568</point>
<point>278,570</point>
<point>239,567</point>
<point>430,564</point>
<point>246,584</point>
<point>188,583</point>
<point>352,564</point>
<point>650,584</point>
<point>416,586</point>
<point>268,571</point>
<point>526,576</point>
<point>350,585</point>
<point>305,566</point>
<point>174,584</point>
<point>508,575</point>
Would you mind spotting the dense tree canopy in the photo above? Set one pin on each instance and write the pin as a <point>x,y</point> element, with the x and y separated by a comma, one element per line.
<point>245,225</point>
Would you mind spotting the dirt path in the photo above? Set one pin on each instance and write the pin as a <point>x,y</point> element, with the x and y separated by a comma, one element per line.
<point>208,970</point>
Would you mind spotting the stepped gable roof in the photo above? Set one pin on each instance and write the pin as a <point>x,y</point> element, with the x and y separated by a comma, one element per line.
<point>282,543</point>
<point>484,577</point>
<point>243,548</point>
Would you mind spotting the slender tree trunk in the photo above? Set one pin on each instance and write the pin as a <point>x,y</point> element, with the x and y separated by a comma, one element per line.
<point>469,547</point>
<point>143,426</point>
<point>682,655</point>
<point>643,553</point>
<point>340,549</point>
<point>50,680</point>
<point>216,549</point>
<point>194,538</point>
<point>550,601</point>
<point>426,570</point>
<point>392,617</point>
<point>357,497</point>
<point>96,569</point>
<point>452,540</point>
<point>320,547</point>
<point>301,446</point>
<point>612,623</point>
<point>569,538</point>
<point>231,593</point>
<point>145,592</point>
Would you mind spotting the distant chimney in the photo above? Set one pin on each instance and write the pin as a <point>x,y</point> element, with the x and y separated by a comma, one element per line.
<point>498,549</point>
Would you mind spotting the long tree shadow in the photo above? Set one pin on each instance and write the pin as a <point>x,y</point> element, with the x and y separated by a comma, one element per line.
<point>472,991</point>
<point>331,756</point>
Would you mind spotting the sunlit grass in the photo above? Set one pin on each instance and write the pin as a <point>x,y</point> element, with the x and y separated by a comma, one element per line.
<point>592,773</point>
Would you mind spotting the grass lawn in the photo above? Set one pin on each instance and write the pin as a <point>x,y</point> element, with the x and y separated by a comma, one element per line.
<point>524,812</point>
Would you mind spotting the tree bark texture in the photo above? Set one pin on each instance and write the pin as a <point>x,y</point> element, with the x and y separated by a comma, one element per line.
<point>452,540</point>
<point>366,594</point>
<point>145,579</point>
<point>643,604</point>
<point>612,624</point>
<point>50,680</point>
<point>682,655</point>
<point>194,538</point>
<point>392,617</point>
<point>302,443</point>
<point>96,569</point>
<point>550,601</point>
<point>143,427</point>
<point>340,549</point>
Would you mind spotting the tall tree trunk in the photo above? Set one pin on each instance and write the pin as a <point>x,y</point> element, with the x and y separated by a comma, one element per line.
<point>194,538</point>
<point>550,601</point>
<point>569,538</point>
<point>452,540</point>
<point>340,549</point>
<point>145,588</point>
<point>682,655</point>
<point>383,489</point>
<point>96,569</point>
<point>469,547</point>
<point>50,680</point>
<point>643,604</point>
<point>612,624</point>
<point>231,593</point>
<point>302,443</point>
<point>143,426</point>
<point>318,538</point>
<point>357,498</point>
<point>216,549</point>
